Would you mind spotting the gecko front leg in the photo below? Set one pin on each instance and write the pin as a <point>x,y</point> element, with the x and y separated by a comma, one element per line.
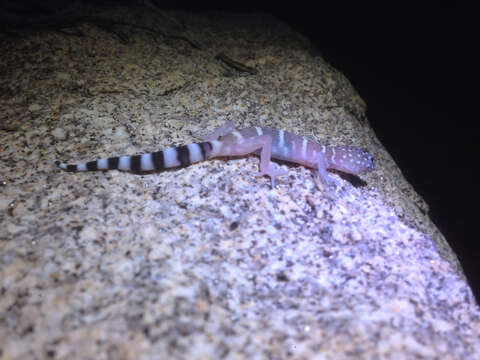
<point>322,174</point>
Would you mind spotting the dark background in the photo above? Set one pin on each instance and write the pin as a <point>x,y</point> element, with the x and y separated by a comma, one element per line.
<point>414,67</point>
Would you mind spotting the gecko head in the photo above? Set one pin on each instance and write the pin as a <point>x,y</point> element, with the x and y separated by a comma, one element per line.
<point>369,162</point>
<point>351,159</point>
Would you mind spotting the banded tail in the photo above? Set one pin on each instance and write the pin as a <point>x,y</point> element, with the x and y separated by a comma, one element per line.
<point>172,157</point>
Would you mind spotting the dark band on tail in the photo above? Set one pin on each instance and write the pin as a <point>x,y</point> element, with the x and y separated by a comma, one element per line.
<point>135,163</point>
<point>91,165</point>
<point>113,162</point>
<point>158,160</point>
<point>206,148</point>
<point>183,155</point>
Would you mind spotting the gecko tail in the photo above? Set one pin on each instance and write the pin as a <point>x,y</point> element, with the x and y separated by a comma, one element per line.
<point>168,158</point>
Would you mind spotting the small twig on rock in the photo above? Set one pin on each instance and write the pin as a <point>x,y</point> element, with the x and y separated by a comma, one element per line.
<point>235,64</point>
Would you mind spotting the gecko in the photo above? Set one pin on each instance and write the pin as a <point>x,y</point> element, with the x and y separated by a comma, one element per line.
<point>227,140</point>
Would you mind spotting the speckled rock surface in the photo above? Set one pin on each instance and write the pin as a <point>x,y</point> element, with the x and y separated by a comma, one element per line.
<point>206,262</point>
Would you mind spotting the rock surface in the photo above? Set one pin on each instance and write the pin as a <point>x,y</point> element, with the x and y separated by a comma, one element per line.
<point>206,262</point>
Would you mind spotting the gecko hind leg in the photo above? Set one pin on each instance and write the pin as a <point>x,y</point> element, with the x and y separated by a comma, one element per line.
<point>267,167</point>
<point>254,144</point>
<point>223,130</point>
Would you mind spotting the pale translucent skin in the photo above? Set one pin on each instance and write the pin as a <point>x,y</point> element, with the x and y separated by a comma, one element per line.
<point>278,144</point>
<point>228,141</point>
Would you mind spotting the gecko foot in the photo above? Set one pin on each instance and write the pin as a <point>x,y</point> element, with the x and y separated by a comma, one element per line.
<point>273,172</point>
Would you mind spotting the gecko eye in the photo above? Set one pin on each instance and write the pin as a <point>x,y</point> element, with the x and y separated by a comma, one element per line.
<point>369,160</point>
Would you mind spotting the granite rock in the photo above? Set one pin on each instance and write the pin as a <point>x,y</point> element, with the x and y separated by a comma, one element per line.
<point>206,262</point>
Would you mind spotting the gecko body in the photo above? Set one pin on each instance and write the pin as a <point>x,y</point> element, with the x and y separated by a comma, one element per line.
<point>228,141</point>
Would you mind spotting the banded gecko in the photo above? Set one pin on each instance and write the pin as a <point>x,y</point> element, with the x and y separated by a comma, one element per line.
<point>228,141</point>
